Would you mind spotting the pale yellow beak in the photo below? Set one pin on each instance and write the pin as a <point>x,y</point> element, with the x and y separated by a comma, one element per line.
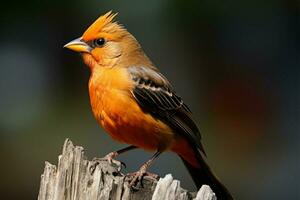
<point>78,45</point>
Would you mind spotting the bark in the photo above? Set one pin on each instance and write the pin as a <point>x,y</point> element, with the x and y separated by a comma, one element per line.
<point>75,177</point>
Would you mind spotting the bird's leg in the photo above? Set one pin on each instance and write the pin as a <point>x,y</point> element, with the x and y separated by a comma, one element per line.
<point>137,177</point>
<point>110,158</point>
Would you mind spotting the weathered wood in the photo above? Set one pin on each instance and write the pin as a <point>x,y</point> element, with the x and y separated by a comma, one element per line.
<point>77,178</point>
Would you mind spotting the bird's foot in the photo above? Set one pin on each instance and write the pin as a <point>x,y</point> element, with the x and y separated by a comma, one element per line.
<point>110,159</point>
<point>136,178</point>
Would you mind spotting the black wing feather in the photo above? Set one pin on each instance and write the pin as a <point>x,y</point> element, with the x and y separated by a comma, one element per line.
<point>155,95</point>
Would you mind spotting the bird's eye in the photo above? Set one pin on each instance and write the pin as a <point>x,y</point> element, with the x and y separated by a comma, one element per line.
<point>99,42</point>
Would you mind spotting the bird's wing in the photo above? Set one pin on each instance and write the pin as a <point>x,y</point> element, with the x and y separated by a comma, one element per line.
<point>155,95</point>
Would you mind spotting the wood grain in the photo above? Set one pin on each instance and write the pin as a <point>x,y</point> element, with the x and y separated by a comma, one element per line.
<point>76,178</point>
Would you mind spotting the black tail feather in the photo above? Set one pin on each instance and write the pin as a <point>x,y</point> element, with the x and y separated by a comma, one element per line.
<point>204,175</point>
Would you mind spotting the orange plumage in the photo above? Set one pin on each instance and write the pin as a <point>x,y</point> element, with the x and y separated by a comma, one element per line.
<point>135,103</point>
<point>120,115</point>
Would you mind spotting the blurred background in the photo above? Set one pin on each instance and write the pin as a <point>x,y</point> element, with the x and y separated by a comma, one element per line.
<point>235,63</point>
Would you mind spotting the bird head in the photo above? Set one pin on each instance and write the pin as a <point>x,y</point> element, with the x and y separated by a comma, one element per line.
<point>105,43</point>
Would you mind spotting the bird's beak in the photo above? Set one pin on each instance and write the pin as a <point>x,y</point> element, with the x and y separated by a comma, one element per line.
<point>78,45</point>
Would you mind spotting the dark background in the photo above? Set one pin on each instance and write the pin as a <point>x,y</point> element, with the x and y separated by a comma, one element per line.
<point>236,63</point>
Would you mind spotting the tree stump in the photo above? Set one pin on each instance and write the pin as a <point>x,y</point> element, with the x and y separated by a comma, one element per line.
<point>76,178</point>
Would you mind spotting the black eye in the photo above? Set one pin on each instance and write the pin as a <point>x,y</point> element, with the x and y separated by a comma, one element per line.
<point>99,42</point>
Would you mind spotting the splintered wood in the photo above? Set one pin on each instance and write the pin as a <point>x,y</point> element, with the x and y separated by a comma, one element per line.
<point>76,178</point>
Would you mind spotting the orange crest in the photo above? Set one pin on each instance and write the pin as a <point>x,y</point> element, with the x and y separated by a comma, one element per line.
<point>103,27</point>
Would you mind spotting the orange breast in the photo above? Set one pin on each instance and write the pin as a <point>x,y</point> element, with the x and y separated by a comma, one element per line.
<point>119,114</point>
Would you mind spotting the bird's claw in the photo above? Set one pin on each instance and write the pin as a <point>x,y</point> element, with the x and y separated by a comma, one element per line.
<point>136,178</point>
<point>109,158</point>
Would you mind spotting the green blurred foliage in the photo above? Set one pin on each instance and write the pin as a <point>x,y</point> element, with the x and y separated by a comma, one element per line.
<point>236,63</point>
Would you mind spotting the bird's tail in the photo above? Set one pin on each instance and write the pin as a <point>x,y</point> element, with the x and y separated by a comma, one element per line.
<point>204,175</point>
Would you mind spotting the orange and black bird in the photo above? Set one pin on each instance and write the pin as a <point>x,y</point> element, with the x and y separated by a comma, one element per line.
<point>136,104</point>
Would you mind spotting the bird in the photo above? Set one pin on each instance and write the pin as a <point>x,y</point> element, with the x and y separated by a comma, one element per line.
<point>137,105</point>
